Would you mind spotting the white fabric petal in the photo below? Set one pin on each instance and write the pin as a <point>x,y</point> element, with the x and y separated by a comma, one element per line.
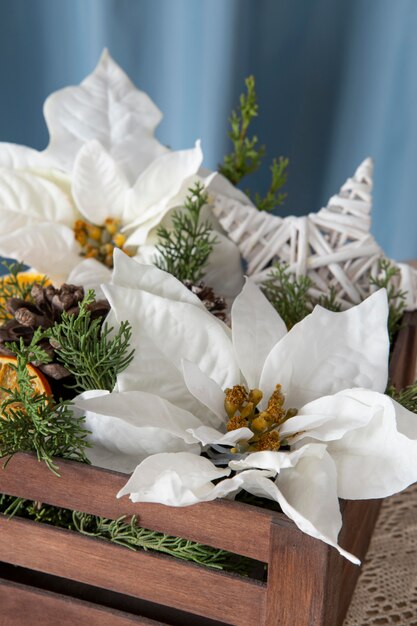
<point>275,461</point>
<point>307,494</point>
<point>34,198</point>
<point>223,187</point>
<point>327,352</point>
<point>127,427</point>
<point>18,157</point>
<point>224,271</point>
<point>380,458</point>
<point>99,186</point>
<point>150,197</point>
<point>106,106</point>
<point>178,330</point>
<point>91,274</point>
<point>174,479</point>
<point>327,418</point>
<point>208,436</point>
<point>256,328</point>
<point>37,244</point>
<point>127,272</point>
<point>206,390</point>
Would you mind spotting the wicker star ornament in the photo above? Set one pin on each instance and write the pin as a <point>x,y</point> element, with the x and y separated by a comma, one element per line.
<point>334,246</point>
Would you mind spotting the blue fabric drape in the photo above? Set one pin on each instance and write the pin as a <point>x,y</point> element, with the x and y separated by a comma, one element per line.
<point>336,83</point>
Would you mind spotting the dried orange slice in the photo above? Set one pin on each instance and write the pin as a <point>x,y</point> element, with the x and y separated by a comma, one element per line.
<point>23,278</point>
<point>8,378</point>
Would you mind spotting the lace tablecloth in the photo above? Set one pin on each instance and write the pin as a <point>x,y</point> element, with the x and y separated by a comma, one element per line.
<point>386,593</point>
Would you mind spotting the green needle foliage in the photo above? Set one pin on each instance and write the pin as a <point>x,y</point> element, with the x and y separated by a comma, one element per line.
<point>274,197</point>
<point>184,250</point>
<point>407,396</point>
<point>247,155</point>
<point>124,532</point>
<point>288,294</point>
<point>386,278</point>
<point>35,422</point>
<point>85,347</point>
<point>10,287</point>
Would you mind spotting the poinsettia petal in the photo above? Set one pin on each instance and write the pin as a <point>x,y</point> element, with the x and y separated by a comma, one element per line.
<point>174,479</point>
<point>106,106</point>
<point>378,459</point>
<point>275,461</point>
<point>327,352</point>
<point>178,330</point>
<point>33,197</point>
<point>307,494</point>
<point>127,427</point>
<point>326,419</point>
<point>208,436</point>
<point>223,187</point>
<point>206,390</point>
<point>90,273</point>
<point>151,371</point>
<point>37,244</point>
<point>15,156</point>
<point>224,271</point>
<point>155,187</point>
<point>256,328</point>
<point>127,272</point>
<point>99,186</point>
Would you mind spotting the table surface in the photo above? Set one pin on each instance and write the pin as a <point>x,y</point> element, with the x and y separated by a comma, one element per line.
<point>386,593</point>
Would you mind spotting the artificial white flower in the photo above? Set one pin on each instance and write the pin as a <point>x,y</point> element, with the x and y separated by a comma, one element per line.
<point>346,440</point>
<point>104,181</point>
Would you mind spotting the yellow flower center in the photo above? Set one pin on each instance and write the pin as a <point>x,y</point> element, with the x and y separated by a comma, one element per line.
<point>241,408</point>
<point>98,242</point>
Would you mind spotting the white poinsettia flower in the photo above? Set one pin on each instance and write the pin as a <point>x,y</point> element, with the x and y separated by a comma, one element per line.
<point>103,182</point>
<point>327,431</point>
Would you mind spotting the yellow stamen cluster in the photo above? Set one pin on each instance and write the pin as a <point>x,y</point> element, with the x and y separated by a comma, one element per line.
<point>98,242</point>
<point>240,405</point>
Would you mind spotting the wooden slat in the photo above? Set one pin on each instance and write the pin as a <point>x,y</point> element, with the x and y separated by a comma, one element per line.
<point>222,524</point>
<point>155,578</point>
<point>297,579</point>
<point>22,605</point>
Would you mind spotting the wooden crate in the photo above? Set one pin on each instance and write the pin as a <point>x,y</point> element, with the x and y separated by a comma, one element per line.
<point>51,576</point>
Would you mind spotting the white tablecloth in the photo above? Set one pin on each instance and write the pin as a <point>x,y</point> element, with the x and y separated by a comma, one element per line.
<point>386,593</point>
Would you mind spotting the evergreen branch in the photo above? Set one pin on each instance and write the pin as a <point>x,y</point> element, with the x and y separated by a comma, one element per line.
<point>12,287</point>
<point>288,294</point>
<point>34,422</point>
<point>329,301</point>
<point>407,397</point>
<point>388,278</point>
<point>125,533</point>
<point>86,350</point>
<point>184,250</point>
<point>274,197</point>
<point>247,156</point>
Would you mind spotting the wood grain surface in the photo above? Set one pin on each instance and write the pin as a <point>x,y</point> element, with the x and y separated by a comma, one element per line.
<point>22,605</point>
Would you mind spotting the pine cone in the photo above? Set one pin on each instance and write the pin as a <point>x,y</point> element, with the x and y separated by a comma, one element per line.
<point>214,304</point>
<point>48,304</point>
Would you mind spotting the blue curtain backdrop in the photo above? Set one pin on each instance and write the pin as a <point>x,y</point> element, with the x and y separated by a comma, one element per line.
<point>336,83</point>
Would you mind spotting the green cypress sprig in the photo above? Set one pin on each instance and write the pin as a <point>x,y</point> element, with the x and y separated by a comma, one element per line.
<point>88,350</point>
<point>247,155</point>
<point>288,294</point>
<point>11,287</point>
<point>34,422</point>
<point>407,396</point>
<point>184,249</point>
<point>274,197</point>
<point>387,278</point>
